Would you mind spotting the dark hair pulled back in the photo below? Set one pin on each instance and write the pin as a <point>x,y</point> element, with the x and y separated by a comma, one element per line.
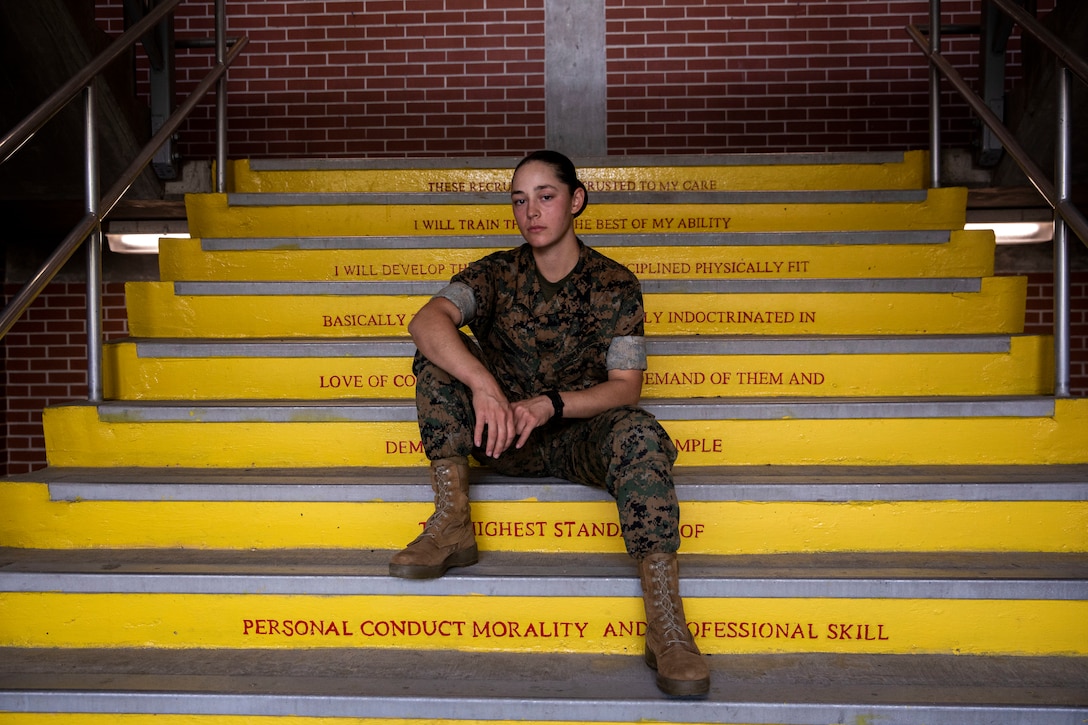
<point>564,170</point>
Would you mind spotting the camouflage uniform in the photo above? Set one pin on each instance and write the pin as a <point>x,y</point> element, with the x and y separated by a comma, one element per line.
<point>532,343</point>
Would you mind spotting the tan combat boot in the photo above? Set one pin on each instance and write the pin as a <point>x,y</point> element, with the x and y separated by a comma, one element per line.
<point>447,539</point>
<point>670,648</point>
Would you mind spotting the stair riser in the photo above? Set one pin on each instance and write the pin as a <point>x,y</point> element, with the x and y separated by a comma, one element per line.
<point>563,526</point>
<point>607,625</point>
<point>969,254</point>
<point>909,173</point>
<point>156,311</point>
<point>1026,370</point>
<point>75,437</point>
<point>210,216</point>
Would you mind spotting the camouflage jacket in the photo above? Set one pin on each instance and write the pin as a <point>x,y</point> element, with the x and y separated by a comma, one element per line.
<point>592,324</point>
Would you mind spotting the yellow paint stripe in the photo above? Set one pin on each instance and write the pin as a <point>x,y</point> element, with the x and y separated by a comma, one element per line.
<point>155,311</point>
<point>75,437</point>
<point>111,719</point>
<point>967,254</point>
<point>80,718</point>
<point>210,216</point>
<point>608,625</point>
<point>709,527</point>
<point>1025,370</point>
<point>907,174</point>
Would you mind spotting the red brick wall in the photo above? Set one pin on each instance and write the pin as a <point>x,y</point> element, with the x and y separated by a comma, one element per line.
<point>1039,319</point>
<point>434,77</point>
<point>689,76</point>
<point>372,77</point>
<point>46,362</point>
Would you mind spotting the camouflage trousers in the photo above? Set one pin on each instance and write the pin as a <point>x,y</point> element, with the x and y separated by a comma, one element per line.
<point>624,450</point>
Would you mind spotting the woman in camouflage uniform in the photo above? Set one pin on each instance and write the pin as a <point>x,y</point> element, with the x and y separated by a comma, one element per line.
<point>550,387</point>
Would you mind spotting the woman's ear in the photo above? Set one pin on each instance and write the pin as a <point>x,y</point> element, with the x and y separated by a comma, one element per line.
<point>577,201</point>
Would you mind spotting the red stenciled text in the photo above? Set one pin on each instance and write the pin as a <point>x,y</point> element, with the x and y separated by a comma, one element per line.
<point>297,627</point>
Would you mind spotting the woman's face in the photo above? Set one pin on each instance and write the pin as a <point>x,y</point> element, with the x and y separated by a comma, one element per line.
<point>543,205</point>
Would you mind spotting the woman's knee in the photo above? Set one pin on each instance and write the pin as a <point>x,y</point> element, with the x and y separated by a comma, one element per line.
<point>638,432</point>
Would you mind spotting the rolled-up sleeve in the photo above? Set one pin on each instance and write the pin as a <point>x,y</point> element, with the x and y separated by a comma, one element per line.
<point>463,298</point>
<point>627,353</point>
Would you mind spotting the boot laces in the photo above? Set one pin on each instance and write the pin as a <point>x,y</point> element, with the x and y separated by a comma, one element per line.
<point>673,630</point>
<point>443,503</point>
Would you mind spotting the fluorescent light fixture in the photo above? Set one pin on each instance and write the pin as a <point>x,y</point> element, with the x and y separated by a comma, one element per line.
<point>142,237</point>
<point>1029,226</point>
<point>1017,232</point>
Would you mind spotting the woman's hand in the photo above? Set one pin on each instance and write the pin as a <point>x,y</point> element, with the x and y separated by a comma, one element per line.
<point>434,329</point>
<point>497,417</point>
<point>529,415</point>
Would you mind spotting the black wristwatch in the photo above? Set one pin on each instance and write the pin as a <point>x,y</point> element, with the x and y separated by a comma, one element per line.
<point>557,402</point>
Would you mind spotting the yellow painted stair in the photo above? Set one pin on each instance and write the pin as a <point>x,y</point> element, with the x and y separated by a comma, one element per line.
<point>771,307</point>
<point>740,256</point>
<point>880,494</point>
<point>454,215</point>
<point>815,508</point>
<point>679,367</point>
<point>739,172</point>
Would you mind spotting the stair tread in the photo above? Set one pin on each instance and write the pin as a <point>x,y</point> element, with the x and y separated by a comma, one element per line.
<point>694,483</point>
<point>602,240</point>
<point>373,564</point>
<point>1028,577</point>
<point>658,345</point>
<point>923,285</point>
<point>413,198</point>
<point>508,686</point>
<point>584,162</point>
<point>724,474</point>
<point>371,409</point>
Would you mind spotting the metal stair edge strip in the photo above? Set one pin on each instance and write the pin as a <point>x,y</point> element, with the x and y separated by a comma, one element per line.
<point>559,492</point>
<point>538,587</point>
<point>600,241</point>
<point>921,285</point>
<point>425,198</point>
<point>882,475</point>
<point>719,483</point>
<point>372,579</point>
<point>535,710</point>
<point>659,345</point>
<point>734,409</point>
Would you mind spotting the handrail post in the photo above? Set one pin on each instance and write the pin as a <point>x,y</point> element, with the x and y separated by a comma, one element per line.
<point>934,96</point>
<point>94,245</point>
<point>221,99</point>
<point>1063,174</point>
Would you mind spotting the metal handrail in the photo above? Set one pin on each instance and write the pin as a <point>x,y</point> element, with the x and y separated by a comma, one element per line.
<point>1057,193</point>
<point>98,207</point>
<point>14,139</point>
<point>1036,176</point>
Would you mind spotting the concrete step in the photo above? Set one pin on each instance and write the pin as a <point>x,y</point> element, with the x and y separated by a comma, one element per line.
<point>650,256</point>
<point>680,367</point>
<point>902,431</point>
<point>525,602</point>
<point>829,508</point>
<point>751,172</point>
<point>462,687</point>
<point>349,214</point>
<point>992,305</point>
